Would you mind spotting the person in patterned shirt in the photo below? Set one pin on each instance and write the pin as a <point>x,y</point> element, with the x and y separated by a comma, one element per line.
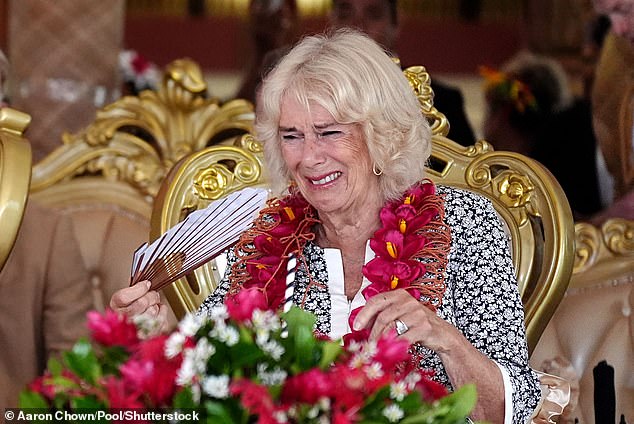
<point>379,248</point>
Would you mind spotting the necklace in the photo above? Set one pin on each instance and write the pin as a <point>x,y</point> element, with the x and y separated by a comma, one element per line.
<point>411,247</point>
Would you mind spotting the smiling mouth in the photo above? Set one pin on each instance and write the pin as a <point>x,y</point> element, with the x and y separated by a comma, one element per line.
<point>327,179</point>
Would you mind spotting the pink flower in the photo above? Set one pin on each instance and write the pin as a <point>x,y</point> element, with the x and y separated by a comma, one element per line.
<point>241,306</point>
<point>121,395</point>
<point>255,398</point>
<point>140,64</point>
<point>392,351</point>
<point>308,387</point>
<point>430,389</point>
<point>269,245</point>
<point>43,385</point>
<point>151,372</point>
<point>112,329</point>
<point>262,269</point>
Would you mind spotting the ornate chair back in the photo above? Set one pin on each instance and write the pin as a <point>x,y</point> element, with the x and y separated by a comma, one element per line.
<point>107,175</point>
<point>15,174</point>
<point>594,321</point>
<point>529,200</point>
<point>527,197</point>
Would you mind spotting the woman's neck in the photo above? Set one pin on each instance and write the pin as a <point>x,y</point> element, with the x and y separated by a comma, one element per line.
<point>350,228</point>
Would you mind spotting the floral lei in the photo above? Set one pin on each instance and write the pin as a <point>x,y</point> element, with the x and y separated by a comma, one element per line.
<point>411,247</point>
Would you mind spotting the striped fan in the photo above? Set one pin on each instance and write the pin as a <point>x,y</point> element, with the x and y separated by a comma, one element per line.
<point>202,236</point>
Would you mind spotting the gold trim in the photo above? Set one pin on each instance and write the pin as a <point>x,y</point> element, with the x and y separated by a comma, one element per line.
<point>604,254</point>
<point>135,140</point>
<point>197,180</point>
<point>15,175</point>
<point>420,81</point>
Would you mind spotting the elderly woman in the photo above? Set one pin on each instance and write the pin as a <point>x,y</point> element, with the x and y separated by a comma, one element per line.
<point>343,129</point>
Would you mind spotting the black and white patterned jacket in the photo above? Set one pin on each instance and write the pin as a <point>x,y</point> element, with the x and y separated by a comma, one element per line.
<point>481,298</point>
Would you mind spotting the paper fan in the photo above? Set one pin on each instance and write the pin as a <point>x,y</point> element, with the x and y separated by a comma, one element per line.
<point>202,236</point>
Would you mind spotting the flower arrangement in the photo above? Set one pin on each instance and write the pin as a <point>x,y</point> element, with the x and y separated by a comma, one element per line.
<point>245,363</point>
<point>503,88</point>
<point>137,72</point>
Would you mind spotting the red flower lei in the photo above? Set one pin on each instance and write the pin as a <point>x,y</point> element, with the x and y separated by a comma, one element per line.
<point>411,247</point>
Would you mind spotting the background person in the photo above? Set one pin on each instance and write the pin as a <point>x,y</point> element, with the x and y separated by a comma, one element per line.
<point>613,106</point>
<point>531,110</point>
<point>341,125</point>
<point>272,27</point>
<point>380,20</point>
<point>43,297</point>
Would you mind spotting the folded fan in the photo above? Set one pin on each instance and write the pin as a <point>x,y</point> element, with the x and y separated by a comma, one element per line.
<point>202,236</point>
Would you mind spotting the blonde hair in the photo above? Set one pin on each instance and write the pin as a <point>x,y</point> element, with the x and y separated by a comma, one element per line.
<point>351,76</point>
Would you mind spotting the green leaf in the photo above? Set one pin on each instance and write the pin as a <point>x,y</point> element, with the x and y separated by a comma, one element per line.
<point>113,357</point>
<point>245,354</point>
<point>225,412</point>
<point>83,361</point>
<point>217,413</point>
<point>32,400</point>
<point>462,402</point>
<point>330,350</point>
<point>54,366</point>
<point>88,403</point>
<point>451,409</point>
<point>184,400</point>
<point>300,326</point>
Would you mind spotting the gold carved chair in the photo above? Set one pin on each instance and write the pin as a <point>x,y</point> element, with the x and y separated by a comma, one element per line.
<point>15,173</point>
<point>594,321</point>
<point>526,196</point>
<point>106,175</point>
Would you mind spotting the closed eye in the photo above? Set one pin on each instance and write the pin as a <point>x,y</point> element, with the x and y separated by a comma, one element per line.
<point>291,137</point>
<point>330,133</point>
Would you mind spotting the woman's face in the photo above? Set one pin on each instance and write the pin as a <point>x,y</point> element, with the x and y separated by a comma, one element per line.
<point>329,161</point>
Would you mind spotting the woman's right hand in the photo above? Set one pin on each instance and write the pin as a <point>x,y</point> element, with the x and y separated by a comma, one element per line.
<point>139,299</point>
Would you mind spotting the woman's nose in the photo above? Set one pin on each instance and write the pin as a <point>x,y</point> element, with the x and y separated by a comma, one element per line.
<point>313,152</point>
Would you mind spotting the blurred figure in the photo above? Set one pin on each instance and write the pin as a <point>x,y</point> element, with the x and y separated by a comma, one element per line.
<point>43,296</point>
<point>613,105</point>
<point>4,72</point>
<point>621,14</point>
<point>379,19</point>
<point>272,27</point>
<point>531,111</point>
<point>44,299</point>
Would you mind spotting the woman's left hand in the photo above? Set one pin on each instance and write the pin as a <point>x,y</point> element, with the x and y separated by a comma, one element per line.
<point>382,311</point>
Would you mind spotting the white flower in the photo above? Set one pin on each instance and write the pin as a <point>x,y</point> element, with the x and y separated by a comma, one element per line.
<point>187,370</point>
<point>261,336</point>
<point>393,413</point>
<point>196,392</point>
<point>374,371</point>
<point>355,346</point>
<point>265,320</point>
<point>412,379</point>
<point>202,352</point>
<point>273,348</point>
<point>218,314</point>
<point>370,349</point>
<point>271,378</point>
<point>174,344</point>
<point>216,386</point>
<point>190,324</point>
<point>225,334</point>
<point>359,359</point>
<point>398,390</point>
<point>146,325</point>
<point>280,417</point>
